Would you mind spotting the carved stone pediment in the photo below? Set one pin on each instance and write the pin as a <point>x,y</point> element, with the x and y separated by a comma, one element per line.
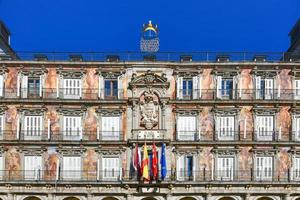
<point>149,79</point>
<point>33,71</point>
<point>72,111</point>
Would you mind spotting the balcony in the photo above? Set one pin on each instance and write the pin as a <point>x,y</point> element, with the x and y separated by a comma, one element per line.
<point>119,176</point>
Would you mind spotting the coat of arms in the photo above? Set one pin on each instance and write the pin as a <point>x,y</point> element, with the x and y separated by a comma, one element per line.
<point>149,110</point>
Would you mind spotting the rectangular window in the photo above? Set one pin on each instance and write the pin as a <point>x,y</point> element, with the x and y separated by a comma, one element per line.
<point>264,88</point>
<point>71,88</point>
<point>225,127</point>
<point>33,87</point>
<point>111,89</point>
<point>72,128</point>
<point>33,127</point>
<point>1,167</point>
<point>264,128</point>
<point>111,168</point>
<point>296,127</point>
<point>71,168</point>
<point>264,168</point>
<point>227,88</point>
<point>110,128</point>
<point>297,89</point>
<point>187,88</point>
<point>186,128</point>
<point>296,169</point>
<point>1,126</point>
<point>185,168</point>
<point>32,167</point>
<point>225,168</point>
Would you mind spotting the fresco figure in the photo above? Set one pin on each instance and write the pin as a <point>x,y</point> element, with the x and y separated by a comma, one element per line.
<point>246,123</point>
<point>207,123</point>
<point>11,82</point>
<point>284,122</point>
<point>90,125</point>
<point>50,83</point>
<point>51,162</point>
<point>90,165</point>
<point>245,84</point>
<point>207,84</point>
<point>13,164</point>
<point>90,85</point>
<point>285,84</point>
<point>11,123</point>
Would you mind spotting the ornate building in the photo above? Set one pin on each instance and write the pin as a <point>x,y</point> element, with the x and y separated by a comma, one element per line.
<point>69,128</point>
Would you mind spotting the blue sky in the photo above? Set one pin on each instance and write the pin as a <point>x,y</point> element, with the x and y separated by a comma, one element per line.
<point>185,25</point>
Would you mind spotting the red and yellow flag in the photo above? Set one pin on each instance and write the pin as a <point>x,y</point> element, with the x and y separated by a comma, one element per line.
<point>145,163</point>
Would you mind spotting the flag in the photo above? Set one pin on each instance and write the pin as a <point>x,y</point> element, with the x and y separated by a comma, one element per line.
<point>145,167</point>
<point>163,162</point>
<point>154,162</point>
<point>136,161</point>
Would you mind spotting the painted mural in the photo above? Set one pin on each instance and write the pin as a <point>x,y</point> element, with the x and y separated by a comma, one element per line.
<point>245,163</point>
<point>90,124</point>
<point>245,84</point>
<point>91,83</point>
<point>284,122</point>
<point>50,83</point>
<point>90,164</point>
<point>11,82</point>
<point>285,84</point>
<point>246,123</point>
<point>207,162</point>
<point>13,164</point>
<point>207,84</point>
<point>283,163</point>
<point>51,164</point>
<point>54,122</point>
<point>206,124</point>
<point>11,123</point>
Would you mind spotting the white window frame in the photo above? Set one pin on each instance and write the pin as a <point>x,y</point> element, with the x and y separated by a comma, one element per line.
<point>33,127</point>
<point>296,169</point>
<point>2,167</point>
<point>264,168</point>
<point>186,128</point>
<point>72,167</point>
<point>110,128</point>
<point>182,167</point>
<point>225,167</point>
<point>225,127</point>
<point>2,126</point>
<point>268,92</point>
<point>33,167</point>
<point>264,125</point>
<point>297,89</point>
<point>111,168</point>
<point>296,127</point>
<point>72,88</point>
<point>2,85</point>
<point>72,127</point>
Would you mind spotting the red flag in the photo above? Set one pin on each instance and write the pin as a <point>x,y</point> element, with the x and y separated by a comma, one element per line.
<point>154,162</point>
<point>136,161</point>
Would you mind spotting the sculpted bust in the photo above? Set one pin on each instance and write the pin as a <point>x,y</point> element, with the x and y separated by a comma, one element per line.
<point>149,110</point>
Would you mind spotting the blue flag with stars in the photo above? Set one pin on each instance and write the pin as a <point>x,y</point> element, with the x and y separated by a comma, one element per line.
<point>163,162</point>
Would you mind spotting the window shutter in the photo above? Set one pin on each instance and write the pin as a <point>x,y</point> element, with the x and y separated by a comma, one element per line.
<point>297,89</point>
<point>195,87</point>
<point>1,127</point>
<point>120,87</point>
<point>58,86</point>
<point>298,128</point>
<point>41,85</point>
<point>269,83</point>
<point>1,85</point>
<point>24,86</point>
<point>200,86</point>
<point>18,84</point>
<point>179,87</point>
<point>49,129</point>
<point>180,169</point>
<point>101,87</point>
<point>80,84</point>
<point>1,167</point>
<point>258,86</point>
<point>231,129</point>
<point>218,126</point>
<point>219,86</point>
<point>180,127</point>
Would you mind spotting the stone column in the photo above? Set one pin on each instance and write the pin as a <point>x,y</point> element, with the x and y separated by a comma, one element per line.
<point>247,196</point>
<point>163,115</point>
<point>208,196</point>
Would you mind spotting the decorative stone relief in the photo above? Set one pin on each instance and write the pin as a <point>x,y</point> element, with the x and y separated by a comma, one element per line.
<point>149,110</point>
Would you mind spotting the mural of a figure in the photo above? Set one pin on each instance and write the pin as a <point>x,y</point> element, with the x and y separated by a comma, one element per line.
<point>90,124</point>
<point>11,82</point>
<point>245,163</point>
<point>284,122</point>
<point>91,84</point>
<point>54,122</point>
<point>50,83</point>
<point>90,164</point>
<point>245,84</point>
<point>207,84</point>
<point>207,123</point>
<point>11,122</point>
<point>51,164</point>
<point>149,110</point>
<point>13,163</point>
<point>207,163</point>
<point>246,123</point>
<point>285,84</point>
<point>284,163</point>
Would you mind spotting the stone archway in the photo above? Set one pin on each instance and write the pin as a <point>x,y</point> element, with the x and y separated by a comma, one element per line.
<point>188,198</point>
<point>71,198</point>
<point>227,198</point>
<point>265,198</point>
<point>149,198</point>
<point>109,198</point>
<point>32,198</point>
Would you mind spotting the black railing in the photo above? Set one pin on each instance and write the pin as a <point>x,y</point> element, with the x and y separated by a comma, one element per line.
<point>171,175</point>
<point>159,56</point>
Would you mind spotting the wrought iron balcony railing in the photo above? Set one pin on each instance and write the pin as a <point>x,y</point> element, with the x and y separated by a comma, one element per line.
<point>196,176</point>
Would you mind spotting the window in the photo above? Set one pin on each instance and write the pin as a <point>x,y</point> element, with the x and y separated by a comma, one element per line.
<point>71,88</point>
<point>188,88</point>
<point>110,128</point>
<point>32,167</point>
<point>1,126</point>
<point>186,128</point>
<point>264,128</point>
<point>225,127</point>
<point>225,168</point>
<point>111,168</point>
<point>72,128</point>
<point>185,168</point>
<point>264,88</point>
<point>33,87</point>
<point>33,127</point>
<point>227,86</point>
<point>296,169</point>
<point>264,168</point>
<point>71,168</point>
<point>297,89</point>
<point>1,167</point>
<point>296,127</point>
<point>111,89</point>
